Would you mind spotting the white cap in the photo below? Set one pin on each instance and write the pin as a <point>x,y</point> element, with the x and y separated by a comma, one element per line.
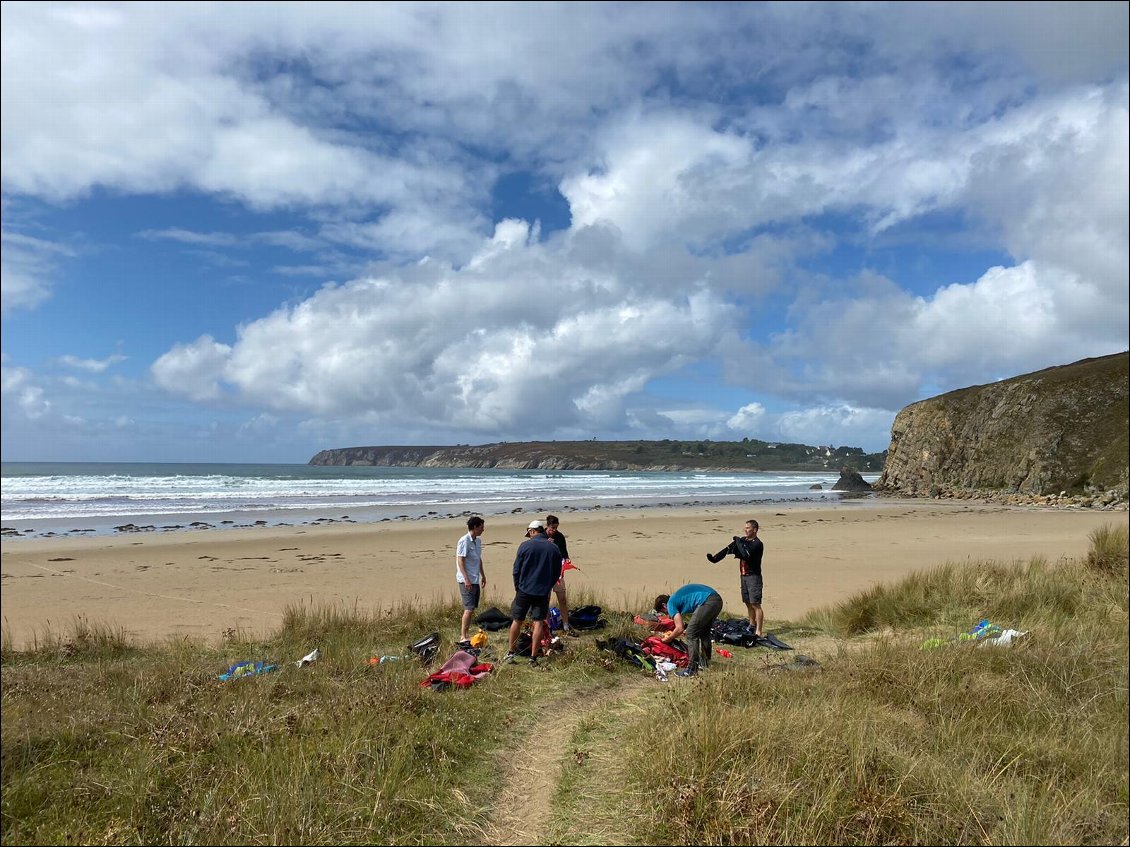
<point>535,525</point>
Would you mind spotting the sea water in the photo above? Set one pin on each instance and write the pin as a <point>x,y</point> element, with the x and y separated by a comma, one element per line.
<point>42,498</point>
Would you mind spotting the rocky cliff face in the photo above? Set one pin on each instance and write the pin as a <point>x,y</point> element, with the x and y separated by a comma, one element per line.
<point>1062,429</point>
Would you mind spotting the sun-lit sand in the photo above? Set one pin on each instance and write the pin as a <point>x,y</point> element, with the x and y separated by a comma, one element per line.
<point>201,583</point>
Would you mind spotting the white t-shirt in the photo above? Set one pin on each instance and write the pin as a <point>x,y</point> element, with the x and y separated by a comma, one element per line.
<point>471,549</point>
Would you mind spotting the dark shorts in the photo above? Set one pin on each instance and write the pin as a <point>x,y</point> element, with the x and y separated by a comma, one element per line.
<point>537,607</point>
<point>470,595</point>
<point>751,589</point>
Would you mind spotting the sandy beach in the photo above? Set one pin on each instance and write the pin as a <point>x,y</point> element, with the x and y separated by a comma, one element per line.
<point>197,584</point>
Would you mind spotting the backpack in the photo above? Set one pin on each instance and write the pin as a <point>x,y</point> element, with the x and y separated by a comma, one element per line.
<point>733,631</point>
<point>426,648</point>
<point>587,617</point>
<point>493,619</point>
<point>526,638</point>
<point>628,650</point>
<point>660,649</point>
<point>655,622</point>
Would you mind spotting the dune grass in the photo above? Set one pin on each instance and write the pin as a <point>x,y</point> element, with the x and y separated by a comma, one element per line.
<point>883,742</point>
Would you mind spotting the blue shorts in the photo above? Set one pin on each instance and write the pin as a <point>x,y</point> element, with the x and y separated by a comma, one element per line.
<point>470,595</point>
<point>751,589</point>
<point>537,607</point>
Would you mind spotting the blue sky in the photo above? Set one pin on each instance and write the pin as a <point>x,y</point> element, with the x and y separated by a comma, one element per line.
<point>249,232</point>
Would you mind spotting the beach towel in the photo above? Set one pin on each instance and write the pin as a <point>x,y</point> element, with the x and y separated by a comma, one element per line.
<point>983,630</point>
<point>242,669</point>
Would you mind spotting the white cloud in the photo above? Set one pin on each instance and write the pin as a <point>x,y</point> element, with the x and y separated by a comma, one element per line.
<point>837,426</point>
<point>193,370</point>
<point>747,419</point>
<point>27,268</point>
<point>518,340</point>
<point>91,365</point>
<point>185,236</point>
<point>711,156</point>
<point>21,392</point>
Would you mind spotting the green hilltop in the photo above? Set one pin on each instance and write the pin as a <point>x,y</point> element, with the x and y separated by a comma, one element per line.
<point>666,455</point>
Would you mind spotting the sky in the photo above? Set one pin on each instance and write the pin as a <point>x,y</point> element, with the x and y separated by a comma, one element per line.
<point>249,232</point>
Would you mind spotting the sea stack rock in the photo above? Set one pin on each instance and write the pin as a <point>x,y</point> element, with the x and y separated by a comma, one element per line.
<point>850,480</point>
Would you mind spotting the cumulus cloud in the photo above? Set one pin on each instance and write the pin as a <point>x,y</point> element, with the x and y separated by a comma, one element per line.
<point>193,370</point>
<point>462,348</point>
<point>716,162</point>
<point>748,418</point>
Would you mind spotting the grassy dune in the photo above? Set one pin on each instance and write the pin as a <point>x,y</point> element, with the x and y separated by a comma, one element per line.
<point>105,741</point>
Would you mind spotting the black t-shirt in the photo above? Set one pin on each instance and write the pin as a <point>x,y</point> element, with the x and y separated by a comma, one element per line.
<point>749,552</point>
<point>558,538</point>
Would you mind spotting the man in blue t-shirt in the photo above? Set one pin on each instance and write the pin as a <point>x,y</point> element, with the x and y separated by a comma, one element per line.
<point>702,604</point>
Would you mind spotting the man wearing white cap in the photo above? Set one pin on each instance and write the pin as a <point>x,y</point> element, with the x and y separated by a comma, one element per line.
<point>537,567</point>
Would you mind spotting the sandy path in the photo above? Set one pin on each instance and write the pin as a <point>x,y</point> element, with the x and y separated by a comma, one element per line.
<point>525,804</point>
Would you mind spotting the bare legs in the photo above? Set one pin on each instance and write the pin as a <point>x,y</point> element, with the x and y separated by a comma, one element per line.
<point>756,617</point>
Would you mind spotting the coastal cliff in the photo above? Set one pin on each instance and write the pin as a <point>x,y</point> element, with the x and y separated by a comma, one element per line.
<point>666,455</point>
<point>1062,430</point>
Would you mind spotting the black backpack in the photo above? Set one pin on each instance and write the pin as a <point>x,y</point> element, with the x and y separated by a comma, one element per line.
<point>628,650</point>
<point>426,648</point>
<point>587,617</point>
<point>493,619</point>
<point>734,631</point>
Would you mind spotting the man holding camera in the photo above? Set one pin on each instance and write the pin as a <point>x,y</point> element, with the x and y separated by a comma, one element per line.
<point>749,551</point>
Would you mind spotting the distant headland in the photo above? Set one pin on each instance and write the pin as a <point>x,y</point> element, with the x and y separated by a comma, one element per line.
<point>666,455</point>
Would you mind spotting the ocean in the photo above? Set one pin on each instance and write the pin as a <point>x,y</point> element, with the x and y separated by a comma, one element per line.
<point>52,498</point>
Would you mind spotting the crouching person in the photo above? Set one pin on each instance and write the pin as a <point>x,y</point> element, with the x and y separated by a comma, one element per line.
<point>701,604</point>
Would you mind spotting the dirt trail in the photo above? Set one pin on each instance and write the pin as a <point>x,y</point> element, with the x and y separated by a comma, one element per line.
<point>524,806</point>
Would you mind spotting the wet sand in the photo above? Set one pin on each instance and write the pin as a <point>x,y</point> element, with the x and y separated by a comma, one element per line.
<point>197,584</point>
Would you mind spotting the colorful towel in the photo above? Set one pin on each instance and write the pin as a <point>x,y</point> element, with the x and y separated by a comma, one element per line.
<point>242,669</point>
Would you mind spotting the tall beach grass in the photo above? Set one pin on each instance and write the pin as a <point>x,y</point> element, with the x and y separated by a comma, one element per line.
<point>882,741</point>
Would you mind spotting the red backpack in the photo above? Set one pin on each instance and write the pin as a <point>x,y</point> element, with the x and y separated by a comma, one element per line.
<point>660,649</point>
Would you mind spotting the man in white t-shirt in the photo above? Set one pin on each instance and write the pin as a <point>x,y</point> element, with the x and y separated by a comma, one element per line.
<point>469,573</point>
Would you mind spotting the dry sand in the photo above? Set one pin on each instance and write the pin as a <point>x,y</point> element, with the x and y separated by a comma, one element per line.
<point>200,583</point>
